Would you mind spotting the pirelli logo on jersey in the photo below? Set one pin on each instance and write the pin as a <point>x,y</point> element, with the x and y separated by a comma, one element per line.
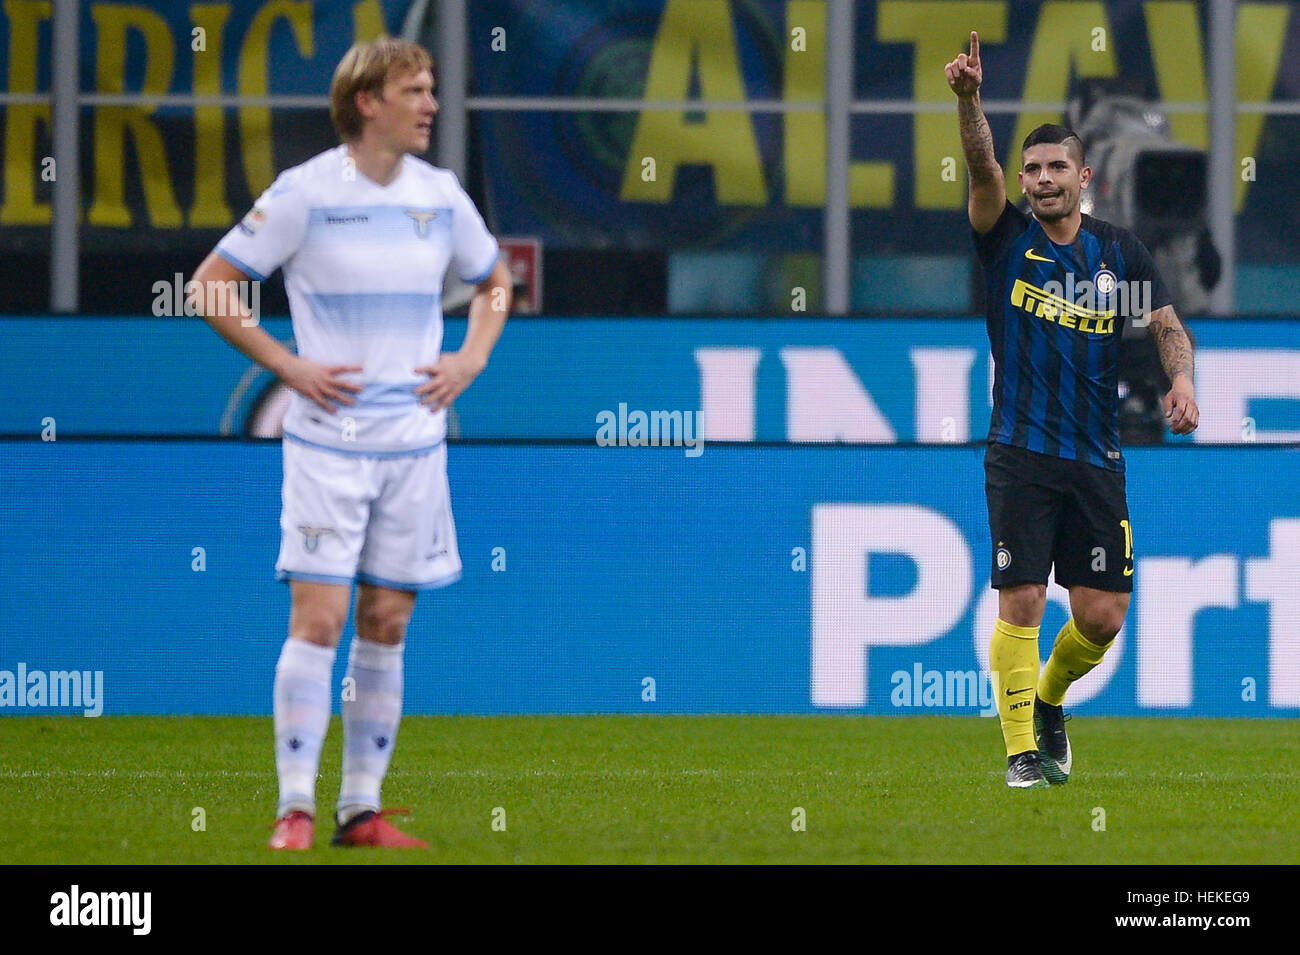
<point>1049,304</point>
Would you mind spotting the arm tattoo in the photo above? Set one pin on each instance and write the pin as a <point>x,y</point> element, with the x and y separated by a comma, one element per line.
<point>977,141</point>
<point>1173,344</point>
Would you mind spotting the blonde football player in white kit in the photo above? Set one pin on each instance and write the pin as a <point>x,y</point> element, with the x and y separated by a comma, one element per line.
<point>365,233</point>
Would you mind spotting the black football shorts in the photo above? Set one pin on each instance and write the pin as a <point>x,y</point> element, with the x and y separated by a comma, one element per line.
<point>1045,510</point>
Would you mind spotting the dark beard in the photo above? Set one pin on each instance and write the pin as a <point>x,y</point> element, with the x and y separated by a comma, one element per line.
<point>1054,216</point>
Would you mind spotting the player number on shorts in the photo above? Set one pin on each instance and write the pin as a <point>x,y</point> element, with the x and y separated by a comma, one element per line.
<point>1128,541</point>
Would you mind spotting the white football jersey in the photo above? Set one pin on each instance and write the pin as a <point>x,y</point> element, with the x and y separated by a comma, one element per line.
<point>363,267</point>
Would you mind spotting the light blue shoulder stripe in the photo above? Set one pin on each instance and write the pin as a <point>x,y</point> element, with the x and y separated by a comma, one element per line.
<point>240,264</point>
<point>496,256</point>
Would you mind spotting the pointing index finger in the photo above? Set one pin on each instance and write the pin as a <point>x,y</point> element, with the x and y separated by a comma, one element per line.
<point>974,47</point>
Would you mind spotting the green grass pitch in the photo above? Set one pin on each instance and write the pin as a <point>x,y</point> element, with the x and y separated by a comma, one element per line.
<point>664,789</point>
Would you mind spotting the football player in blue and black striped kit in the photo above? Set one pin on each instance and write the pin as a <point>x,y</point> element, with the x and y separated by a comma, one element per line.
<point>1058,285</point>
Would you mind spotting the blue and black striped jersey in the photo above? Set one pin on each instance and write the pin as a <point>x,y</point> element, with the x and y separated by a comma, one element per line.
<point>1055,317</point>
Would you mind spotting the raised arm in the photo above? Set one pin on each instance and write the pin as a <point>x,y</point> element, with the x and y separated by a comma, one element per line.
<point>988,189</point>
<point>1176,355</point>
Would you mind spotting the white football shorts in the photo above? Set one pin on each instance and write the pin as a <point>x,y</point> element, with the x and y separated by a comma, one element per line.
<point>375,520</point>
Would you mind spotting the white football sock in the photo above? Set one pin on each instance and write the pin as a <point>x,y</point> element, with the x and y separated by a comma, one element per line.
<point>369,724</point>
<point>302,715</point>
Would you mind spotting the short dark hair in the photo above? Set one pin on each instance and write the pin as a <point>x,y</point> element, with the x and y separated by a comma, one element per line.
<point>1052,133</point>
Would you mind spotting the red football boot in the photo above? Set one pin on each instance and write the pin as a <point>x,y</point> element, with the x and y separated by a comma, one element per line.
<point>295,831</point>
<point>372,829</point>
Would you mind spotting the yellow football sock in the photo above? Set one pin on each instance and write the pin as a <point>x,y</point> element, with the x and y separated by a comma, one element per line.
<point>1073,655</point>
<point>1013,658</point>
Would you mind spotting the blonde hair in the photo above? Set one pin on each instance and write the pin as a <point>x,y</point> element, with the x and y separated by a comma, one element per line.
<point>366,68</point>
